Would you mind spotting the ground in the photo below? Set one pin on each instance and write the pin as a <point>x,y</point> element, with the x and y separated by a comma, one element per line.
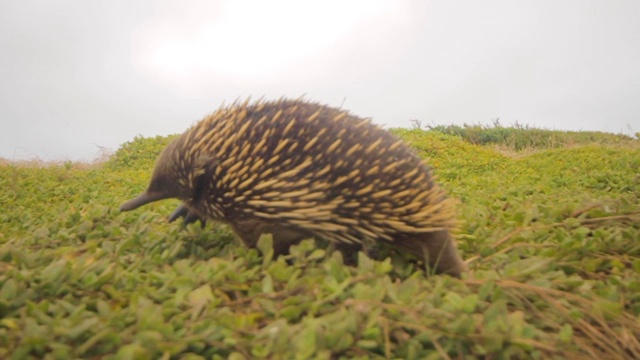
<point>549,226</point>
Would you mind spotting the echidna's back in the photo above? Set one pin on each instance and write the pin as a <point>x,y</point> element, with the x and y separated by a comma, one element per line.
<point>317,168</point>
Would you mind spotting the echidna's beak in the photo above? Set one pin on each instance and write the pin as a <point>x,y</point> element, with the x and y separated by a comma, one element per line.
<point>142,199</point>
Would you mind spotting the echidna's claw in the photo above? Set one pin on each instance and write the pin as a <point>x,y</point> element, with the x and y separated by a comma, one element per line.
<point>182,211</point>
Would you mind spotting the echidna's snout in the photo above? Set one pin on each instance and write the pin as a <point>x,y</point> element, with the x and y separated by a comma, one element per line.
<point>142,199</point>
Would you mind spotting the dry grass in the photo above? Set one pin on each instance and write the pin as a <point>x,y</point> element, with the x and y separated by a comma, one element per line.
<point>35,162</point>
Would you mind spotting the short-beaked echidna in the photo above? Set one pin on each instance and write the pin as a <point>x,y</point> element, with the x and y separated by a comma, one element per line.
<point>298,169</point>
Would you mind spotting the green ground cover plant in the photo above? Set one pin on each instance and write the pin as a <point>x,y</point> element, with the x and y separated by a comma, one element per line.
<point>551,236</point>
<point>520,137</point>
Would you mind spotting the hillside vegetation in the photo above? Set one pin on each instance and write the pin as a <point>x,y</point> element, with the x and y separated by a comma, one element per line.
<point>521,137</point>
<point>551,236</point>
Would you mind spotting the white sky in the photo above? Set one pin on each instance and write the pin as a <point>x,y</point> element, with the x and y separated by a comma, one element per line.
<point>79,75</point>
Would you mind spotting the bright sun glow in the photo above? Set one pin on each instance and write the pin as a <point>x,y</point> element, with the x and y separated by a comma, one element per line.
<point>247,39</point>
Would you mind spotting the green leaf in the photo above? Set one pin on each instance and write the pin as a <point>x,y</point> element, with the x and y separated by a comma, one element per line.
<point>305,342</point>
<point>132,352</point>
<point>609,309</point>
<point>469,303</point>
<point>201,295</point>
<point>566,334</point>
<point>265,245</point>
<point>9,290</point>
<point>267,284</point>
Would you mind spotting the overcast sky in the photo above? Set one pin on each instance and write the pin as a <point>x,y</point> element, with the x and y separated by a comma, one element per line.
<point>77,76</point>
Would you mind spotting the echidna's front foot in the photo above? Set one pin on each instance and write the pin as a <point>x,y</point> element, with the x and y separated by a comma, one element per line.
<point>182,211</point>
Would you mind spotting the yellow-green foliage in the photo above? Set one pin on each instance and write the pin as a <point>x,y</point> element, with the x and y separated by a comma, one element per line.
<point>520,137</point>
<point>139,153</point>
<point>551,239</point>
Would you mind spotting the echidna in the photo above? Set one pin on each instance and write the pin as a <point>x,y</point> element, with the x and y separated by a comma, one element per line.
<point>298,169</point>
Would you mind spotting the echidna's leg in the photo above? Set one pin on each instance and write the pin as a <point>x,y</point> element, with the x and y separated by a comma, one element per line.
<point>350,252</point>
<point>439,251</point>
<point>248,232</point>
<point>283,238</point>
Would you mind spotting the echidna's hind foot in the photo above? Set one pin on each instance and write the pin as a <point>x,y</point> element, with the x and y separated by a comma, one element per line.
<point>283,239</point>
<point>249,232</point>
<point>439,250</point>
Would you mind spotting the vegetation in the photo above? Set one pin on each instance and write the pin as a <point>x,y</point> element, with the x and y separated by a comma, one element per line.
<point>520,137</point>
<point>550,236</point>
